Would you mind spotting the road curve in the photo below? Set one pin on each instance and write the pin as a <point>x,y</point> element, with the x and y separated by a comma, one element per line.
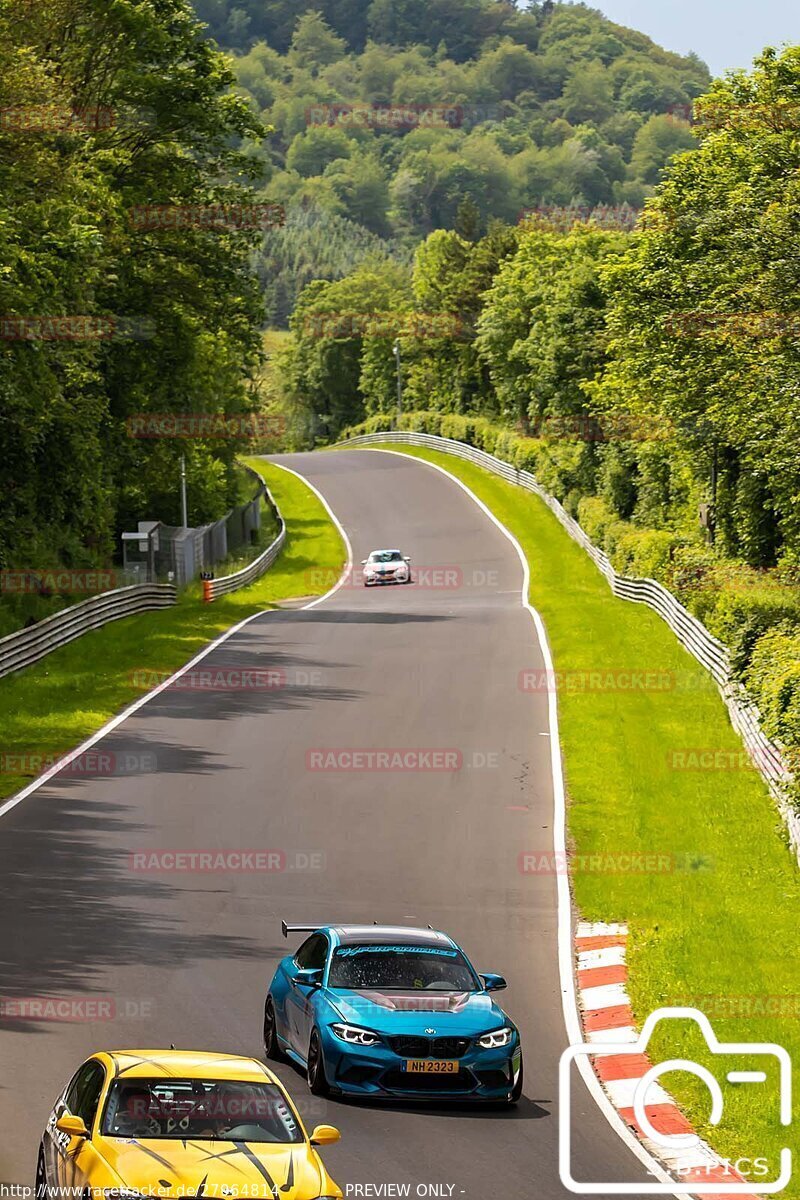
<point>185,957</point>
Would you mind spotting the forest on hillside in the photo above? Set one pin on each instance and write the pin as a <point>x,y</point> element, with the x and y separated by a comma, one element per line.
<point>403,118</point>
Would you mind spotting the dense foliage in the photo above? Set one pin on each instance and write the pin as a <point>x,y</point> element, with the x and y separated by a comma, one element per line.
<point>107,107</point>
<point>393,116</point>
<point>646,379</point>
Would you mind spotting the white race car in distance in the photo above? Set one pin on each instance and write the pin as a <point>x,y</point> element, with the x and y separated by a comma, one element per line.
<point>386,566</point>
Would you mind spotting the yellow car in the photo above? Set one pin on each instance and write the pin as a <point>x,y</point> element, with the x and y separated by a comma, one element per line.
<point>177,1123</point>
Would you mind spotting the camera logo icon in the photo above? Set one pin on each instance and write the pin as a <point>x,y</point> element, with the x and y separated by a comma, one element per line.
<point>677,1152</point>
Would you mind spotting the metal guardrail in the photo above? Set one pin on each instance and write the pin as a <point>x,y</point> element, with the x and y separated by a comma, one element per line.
<point>214,588</point>
<point>767,756</point>
<point>26,646</point>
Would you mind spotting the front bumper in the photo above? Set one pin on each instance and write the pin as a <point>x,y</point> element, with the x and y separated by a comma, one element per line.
<point>378,1072</point>
<point>389,577</point>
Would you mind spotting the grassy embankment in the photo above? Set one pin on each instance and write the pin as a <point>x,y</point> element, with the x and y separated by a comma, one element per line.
<point>715,924</point>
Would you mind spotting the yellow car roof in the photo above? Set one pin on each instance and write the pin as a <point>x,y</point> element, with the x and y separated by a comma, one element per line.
<point>184,1064</point>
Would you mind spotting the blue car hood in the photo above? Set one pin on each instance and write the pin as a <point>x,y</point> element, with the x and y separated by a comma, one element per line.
<point>464,1013</point>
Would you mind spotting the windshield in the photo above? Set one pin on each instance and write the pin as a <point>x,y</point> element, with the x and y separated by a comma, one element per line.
<point>384,556</point>
<point>199,1108</point>
<point>401,968</point>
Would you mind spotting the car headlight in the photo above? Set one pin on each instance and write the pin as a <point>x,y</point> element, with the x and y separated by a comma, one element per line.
<point>497,1038</point>
<point>355,1035</point>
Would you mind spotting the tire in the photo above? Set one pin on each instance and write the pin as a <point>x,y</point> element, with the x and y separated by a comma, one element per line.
<point>272,1047</point>
<point>317,1081</point>
<point>40,1191</point>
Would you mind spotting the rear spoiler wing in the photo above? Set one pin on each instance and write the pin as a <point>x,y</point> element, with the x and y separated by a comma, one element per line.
<point>287,929</point>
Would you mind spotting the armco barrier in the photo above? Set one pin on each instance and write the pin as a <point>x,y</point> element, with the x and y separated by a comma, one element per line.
<point>766,755</point>
<point>27,646</point>
<point>214,588</point>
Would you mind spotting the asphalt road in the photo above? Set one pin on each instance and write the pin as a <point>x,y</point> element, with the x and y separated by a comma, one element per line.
<point>185,957</point>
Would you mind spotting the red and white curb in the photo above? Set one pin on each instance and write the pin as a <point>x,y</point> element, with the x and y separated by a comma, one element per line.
<point>606,1016</point>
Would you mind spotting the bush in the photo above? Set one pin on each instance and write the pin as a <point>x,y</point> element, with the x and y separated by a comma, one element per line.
<point>489,435</point>
<point>651,556</point>
<point>454,426</point>
<point>690,577</point>
<point>594,516</point>
<point>643,553</point>
<point>772,678</point>
<point>526,454</point>
<point>740,619</point>
<point>564,467</point>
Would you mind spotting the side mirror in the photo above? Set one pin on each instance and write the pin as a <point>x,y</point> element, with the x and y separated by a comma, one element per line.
<point>74,1126</point>
<point>364,562</point>
<point>494,983</point>
<point>325,1135</point>
<point>309,977</point>
<point>406,558</point>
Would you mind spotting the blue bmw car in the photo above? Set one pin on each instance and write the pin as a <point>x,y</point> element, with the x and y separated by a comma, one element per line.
<point>390,1012</point>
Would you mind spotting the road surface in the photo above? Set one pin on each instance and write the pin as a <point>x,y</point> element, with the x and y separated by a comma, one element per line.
<point>185,957</point>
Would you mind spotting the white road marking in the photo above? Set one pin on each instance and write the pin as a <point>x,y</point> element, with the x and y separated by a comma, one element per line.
<point>115,722</point>
<point>611,956</point>
<point>609,995</point>
<point>622,1092</point>
<point>587,929</point>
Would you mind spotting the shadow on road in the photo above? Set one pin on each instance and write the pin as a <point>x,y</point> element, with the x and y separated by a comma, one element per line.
<point>71,906</point>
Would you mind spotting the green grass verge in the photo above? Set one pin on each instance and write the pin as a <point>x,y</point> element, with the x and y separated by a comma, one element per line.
<point>716,926</point>
<point>52,706</point>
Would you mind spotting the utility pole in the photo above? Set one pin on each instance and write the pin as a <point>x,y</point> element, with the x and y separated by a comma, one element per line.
<point>396,352</point>
<point>184,507</point>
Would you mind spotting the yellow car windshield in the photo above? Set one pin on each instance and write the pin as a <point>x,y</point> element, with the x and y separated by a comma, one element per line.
<point>203,1109</point>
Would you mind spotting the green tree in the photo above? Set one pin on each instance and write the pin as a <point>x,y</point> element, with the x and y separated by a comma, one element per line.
<point>713,242</point>
<point>314,44</point>
<point>588,94</point>
<point>655,144</point>
<point>71,247</point>
<point>311,152</point>
<point>542,332</point>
